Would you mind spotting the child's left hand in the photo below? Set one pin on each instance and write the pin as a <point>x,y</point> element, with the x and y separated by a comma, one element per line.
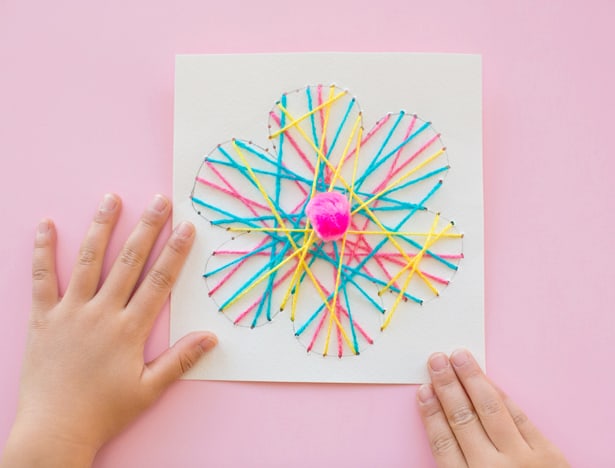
<point>84,377</point>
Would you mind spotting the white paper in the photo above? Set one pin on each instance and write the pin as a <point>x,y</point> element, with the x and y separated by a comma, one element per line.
<point>220,97</point>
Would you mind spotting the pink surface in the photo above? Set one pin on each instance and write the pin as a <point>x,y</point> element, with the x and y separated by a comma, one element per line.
<point>86,99</point>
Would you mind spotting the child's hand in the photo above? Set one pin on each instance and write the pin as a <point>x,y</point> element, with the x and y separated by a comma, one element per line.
<point>84,377</point>
<point>470,423</point>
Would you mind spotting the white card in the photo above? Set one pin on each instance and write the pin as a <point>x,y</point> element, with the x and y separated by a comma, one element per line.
<point>419,113</point>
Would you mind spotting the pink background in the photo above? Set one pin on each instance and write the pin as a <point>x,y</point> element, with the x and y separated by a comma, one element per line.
<point>86,106</point>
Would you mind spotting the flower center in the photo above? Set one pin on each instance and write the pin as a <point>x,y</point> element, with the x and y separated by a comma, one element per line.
<point>329,214</point>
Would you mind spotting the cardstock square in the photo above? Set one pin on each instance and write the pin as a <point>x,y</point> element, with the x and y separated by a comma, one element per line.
<point>220,97</point>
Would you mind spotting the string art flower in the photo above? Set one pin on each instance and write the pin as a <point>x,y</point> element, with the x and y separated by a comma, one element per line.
<point>331,224</point>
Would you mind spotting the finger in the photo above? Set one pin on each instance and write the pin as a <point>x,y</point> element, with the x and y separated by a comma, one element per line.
<point>489,405</point>
<point>444,446</point>
<point>125,271</point>
<point>44,278</point>
<point>175,361</point>
<point>526,428</point>
<point>86,274</point>
<point>155,288</point>
<point>458,409</point>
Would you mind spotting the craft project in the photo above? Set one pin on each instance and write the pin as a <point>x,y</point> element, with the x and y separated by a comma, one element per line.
<point>321,193</point>
<point>335,227</point>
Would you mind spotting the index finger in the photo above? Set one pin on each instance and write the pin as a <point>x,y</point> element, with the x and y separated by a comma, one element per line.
<point>492,412</point>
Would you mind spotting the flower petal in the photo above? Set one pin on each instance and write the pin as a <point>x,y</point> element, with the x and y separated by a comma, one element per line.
<point>313,129</point>
<point>239,185</point>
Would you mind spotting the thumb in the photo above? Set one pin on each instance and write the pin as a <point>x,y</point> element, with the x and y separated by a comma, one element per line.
<point>175,361</point>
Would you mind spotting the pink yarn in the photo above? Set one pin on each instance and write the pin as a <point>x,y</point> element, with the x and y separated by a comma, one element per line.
<point>329,214</point>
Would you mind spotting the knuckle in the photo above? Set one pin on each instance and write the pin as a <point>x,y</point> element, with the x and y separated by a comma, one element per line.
<point>178,247</point>
<point>447,382</point>
<point>131,258</point>
<point>148,222</point>
<point>102,217</point>
<point>160,279</point>
<point>185,362</point>
<point>448,385</point>
<point>39,324</point>
<point>443,443</point>
<point>431,410</point>
<point>445,379</point>
<point>490,407</point>
<point>40,273</point>
<point>40,242</point>
<point>473,372</point>
<point>462,417</point>
<point>519,418</point>
<point>87,256</point>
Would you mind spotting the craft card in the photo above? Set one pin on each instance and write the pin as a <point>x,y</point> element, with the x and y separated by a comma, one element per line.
<point>339,212</point>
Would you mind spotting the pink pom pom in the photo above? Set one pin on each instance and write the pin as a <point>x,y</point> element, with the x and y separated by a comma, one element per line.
<point>329,214</point>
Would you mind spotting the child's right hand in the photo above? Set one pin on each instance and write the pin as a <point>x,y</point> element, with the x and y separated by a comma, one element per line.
<point>470,423</point>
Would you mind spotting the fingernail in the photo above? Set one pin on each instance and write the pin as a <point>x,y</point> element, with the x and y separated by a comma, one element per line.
<point>43,227</point>
<point>108,203</point>
<point>208,342</point>
<point>438,362</point>
<point>425,393</point>
<point>460,357</point>
<point>159,203</point>
<point>184,230</point>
